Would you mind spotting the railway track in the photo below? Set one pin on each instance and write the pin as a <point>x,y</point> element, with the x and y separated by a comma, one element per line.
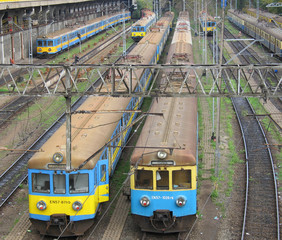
<point>261,213</point>
<point>13,107</point>
<point>248,56</point>
<point>13,177</point>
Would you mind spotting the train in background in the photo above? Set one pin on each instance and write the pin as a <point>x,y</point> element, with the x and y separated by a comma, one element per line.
<point>207,23</point>
<point>61,40</point>
<point>65,203</point>
<point>270,36</point>
<point>265,16</point>
<point>163,179</point>
<point>142,26</point>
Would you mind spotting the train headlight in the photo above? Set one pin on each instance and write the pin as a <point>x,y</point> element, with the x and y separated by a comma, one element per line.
<point>77,206</point>
<point>58,157</point>
<point>41,205</point>
<point>144,201</point>
<point>180,202</point>
<point>40,49</point>
<point>162,154</point>
<point>49,49</point>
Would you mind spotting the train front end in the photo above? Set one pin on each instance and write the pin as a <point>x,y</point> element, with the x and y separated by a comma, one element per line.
<point>164,194</point>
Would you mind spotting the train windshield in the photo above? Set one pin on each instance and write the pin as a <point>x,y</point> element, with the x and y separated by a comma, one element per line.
<point>40,183</point>
<point>181,179</point>
<point>79,183</point>
<point>162,180</point>
<point>59,183</point>
<point>144,179</point>
<point>40,43</point>
<point>50,43</point>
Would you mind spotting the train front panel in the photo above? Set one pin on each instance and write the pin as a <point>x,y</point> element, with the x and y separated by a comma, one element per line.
<point>164,198</point>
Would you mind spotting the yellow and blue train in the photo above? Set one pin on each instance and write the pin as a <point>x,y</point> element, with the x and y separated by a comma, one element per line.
<point>164,163</point>
<point>271,37</point>
<point>61,40</point>
<point>209,20</point>
<point>65,203</point>
<point>142,26</point>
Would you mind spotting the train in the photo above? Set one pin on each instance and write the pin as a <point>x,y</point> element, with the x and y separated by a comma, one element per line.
<point>65,202</point>
<point>269,36</point>
<point>142,26</point>
<point>58,41</point>
<point>207,23</point>
<point>265,16</point>
<point>163,182</point>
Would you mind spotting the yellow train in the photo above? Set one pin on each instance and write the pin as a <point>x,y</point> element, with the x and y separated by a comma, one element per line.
<point>142,26</point>
<point>207,22</point>
<point>58,41</point>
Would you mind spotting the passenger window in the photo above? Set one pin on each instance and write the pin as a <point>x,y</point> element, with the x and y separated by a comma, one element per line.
<point>181,179</point>
<point>144,179</point>
<point>162,180</point>
<point>39,43</point>
<point>59,183</point>
<point>79,183</point>
<point>50,44</point>
<point>103,173</point>
<point>41,183</point>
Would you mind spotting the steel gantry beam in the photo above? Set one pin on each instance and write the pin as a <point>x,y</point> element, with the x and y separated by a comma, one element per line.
<point>119,80</point>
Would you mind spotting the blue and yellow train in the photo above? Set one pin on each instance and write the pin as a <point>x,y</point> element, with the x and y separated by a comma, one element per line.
<point>270,37</point>
<point>164,163</point>
<point>58,41</point>
<point>65,202</point>
<point>142,26</point>
<point>207,23</point>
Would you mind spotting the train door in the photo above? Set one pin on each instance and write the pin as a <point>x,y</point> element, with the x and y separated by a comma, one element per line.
<point>103,178</point>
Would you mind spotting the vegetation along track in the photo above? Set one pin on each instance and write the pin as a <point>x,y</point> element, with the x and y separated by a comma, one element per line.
<point>261,213</point>
<point>17,172</point>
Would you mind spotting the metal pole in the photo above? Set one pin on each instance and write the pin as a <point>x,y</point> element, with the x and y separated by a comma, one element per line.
<point>124,35</point>
<point>217,153</point>
<point>68,120</point>
<point>183,5</point>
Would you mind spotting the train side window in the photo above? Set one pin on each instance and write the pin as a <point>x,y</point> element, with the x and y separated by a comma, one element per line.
<point>59,183</point>
<point>143,179</point>
<point>181,179</point>
<point>79,183</point>
<point>41,183</point>
<point>103,173</point>
<point>162,180</point>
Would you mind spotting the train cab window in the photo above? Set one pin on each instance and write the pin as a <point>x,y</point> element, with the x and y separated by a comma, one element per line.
<point>79,183</point>
<point>39,43</point>
<point>143,179</point>
<point>41,183</point>
<point>50,43</point>
<point>142,29</point>
<point>181,179</point>
<point>162,180</point>
<point>59,183</point>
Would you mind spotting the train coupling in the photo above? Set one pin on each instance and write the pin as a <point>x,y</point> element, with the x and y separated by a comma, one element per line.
<point>59,219</point>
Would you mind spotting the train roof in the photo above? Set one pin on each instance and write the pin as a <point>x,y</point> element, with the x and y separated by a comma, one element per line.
<point>148,16</point>
<point>180,51</point>
<point>265,26</point>
<point>76,26</point>
<point>89,133</point>
<point>177,129</point>
<point>203,16</point>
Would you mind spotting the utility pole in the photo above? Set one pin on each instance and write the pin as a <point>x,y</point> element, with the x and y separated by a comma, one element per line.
<point>68,120</point>
<point>217,153</point>
<point>124,35</point>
